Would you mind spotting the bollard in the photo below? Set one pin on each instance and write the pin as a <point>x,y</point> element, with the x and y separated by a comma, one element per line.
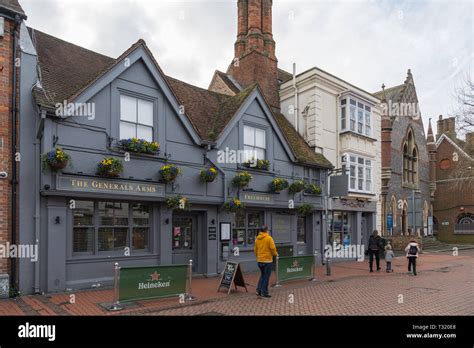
<point>314,266</point>
<point>189,296</point>
<point>116,304</point>
<point>277,284</point>
<point>328,266</point>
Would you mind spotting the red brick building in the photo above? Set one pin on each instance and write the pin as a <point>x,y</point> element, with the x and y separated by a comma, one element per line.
<point>11,15</point>
<point>452,166</point>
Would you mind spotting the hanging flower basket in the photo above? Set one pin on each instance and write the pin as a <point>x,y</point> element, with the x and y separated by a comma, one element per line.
<point>110,167</point>
<point>297,186</point>
<point>55,159</point>
<point>258,164</point>
<point>139,146</point>
<point>305,209</point>
<point>312,189</point>
<point>278,185</point>
<point>208,175</point>
<point>169,173</point>
<point>178,203</point>
<point>233,205</point>
<point>242,179</point>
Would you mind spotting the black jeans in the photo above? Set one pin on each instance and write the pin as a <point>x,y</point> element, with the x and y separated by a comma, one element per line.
<point>412,262</point>
<point>371,259</point>
<point>389,265</point>
<point>265,273</point>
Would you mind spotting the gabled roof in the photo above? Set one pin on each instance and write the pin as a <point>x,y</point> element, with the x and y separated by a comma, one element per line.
<point>68,71</point>
<point>12,7</point>
<point>444,137</point>
<point>394,94</point>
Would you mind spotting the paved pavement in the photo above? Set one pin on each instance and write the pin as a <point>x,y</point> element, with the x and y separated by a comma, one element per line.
<point>444,286</point>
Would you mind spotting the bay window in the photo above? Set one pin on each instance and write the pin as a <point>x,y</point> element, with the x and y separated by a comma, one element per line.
<point>360,116</point>
<point>359,170</point>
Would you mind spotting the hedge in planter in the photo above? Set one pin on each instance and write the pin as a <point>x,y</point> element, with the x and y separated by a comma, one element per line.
<point>110,167</point>
<point>139,145</point>
<point>233,205</point>
<point>297,186</point>
<point>208,175</point>
<point>312,189</point>
<point>55,159</point>
<point>278,185</point>
<point>169,173</point>
<point>242,179</point>
<point>305,209</point>
<point>178,202</point>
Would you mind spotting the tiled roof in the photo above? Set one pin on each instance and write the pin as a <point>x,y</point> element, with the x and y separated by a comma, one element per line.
<point>12,6</point>
<point>228,81</point>
<point>283,75</point>
<point>394,94</point>
<point>67,70</point>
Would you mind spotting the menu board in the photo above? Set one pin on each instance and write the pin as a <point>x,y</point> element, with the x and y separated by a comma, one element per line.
<point>232,274</point>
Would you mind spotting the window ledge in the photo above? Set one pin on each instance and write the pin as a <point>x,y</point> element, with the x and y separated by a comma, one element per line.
<point>349,132</point>
<point>361,193</point>
<point>410,186</point>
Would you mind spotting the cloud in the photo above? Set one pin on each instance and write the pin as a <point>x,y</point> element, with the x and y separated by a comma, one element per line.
<point>366,43</point>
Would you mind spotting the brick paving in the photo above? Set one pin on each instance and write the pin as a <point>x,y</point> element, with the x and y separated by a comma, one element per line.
<point>444,286</point>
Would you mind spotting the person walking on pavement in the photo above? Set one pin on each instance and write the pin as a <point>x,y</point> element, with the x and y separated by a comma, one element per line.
<point>265,250</point>
<point>375,247</point>
<point>389,255</point>
<point>412,251</point>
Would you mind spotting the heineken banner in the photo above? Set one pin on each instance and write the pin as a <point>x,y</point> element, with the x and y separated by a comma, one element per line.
<point>294,267</point>
<point>140,283</point>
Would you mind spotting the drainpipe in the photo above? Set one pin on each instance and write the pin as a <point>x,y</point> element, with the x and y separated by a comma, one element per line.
<point>13,280</point>
<point>296,108</point>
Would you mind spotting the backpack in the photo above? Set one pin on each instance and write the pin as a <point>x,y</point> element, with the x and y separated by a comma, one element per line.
<point>413,250</point>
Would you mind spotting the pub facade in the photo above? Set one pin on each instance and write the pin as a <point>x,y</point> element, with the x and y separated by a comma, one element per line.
<point>93,194</point>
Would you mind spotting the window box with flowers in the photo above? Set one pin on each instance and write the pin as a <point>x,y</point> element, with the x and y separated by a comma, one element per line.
<point>109,167</point>
<point>233,205</point>
<point>312,189</point>
<point>305,209</point>
<point>139,146</point>
<point>208,175</point>
<point>169,173</point>
<point>242,179</point>
<point>258,164</point>
<point>178,202</point>
<point>55,159</point>
<point>297,186</point>
<point>278,184</point>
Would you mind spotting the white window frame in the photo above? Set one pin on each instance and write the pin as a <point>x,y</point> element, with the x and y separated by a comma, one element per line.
<point>254,145</point>
<point>137,123</point>
<point>359,168</point>
<point>357,115</point>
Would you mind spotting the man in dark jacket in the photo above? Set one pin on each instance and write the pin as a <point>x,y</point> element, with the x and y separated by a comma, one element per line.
<point>375,246</point>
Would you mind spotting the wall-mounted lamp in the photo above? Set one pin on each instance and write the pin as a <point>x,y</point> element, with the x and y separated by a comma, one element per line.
<point>213,221</point>
<point>167,221</point>
<point>57,220</point>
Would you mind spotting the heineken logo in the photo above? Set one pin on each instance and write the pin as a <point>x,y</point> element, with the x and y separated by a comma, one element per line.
<point>295,267</point>
<point>154,282</point>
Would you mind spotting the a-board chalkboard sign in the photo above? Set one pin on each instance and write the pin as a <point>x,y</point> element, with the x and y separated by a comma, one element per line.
<point>232,274</point>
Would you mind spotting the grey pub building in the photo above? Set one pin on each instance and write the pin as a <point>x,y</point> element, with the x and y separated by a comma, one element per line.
<point>84,222</point>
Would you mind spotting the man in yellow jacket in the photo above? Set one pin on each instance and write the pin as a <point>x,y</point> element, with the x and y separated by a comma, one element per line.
<point>265,250</point>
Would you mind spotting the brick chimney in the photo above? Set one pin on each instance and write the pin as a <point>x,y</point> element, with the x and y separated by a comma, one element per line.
<point>255,60</point>
<point>446,126</point>
<point>469,147</point>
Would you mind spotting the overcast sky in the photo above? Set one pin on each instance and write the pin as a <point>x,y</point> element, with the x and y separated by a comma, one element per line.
<point>366,42</point>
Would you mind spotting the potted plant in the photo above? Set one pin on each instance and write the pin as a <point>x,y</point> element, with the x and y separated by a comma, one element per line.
<point>208,175</point>
<point>242,179</point>
<point>258,164</point>
<point>233,205</point>
<point>278,185</point>
<point>110,167</point>
<point>297,186</point>
<point>139,145</point>
<point>312,189</point>
<point>178,202</point>
<point>305,209</point>
<point>169,173</point>
<point>55,159</point>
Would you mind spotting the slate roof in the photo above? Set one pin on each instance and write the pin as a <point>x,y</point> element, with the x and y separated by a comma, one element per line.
<point>394,94</point>
<point>67,70</point>
<point>13,7</point>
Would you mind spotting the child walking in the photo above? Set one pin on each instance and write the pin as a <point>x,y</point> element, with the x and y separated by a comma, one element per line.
<point>389,255</point>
